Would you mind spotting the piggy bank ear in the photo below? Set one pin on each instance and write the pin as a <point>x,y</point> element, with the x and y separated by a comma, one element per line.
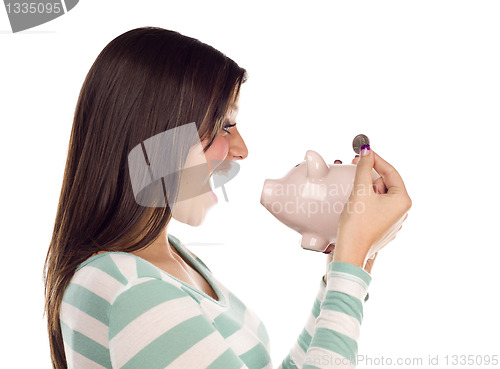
<point>316,166</point>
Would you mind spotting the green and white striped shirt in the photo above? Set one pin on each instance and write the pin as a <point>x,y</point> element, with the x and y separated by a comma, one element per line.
<point>120,311</point>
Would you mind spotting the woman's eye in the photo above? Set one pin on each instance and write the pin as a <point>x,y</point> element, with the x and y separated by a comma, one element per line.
<point>226,127</point>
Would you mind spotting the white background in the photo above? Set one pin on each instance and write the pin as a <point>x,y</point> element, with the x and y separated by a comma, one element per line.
<point>421,79</point>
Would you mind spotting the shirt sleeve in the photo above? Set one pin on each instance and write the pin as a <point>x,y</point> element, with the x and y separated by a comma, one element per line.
<point>153,324</point>
<point>331,333</point>
<point>296,356</point>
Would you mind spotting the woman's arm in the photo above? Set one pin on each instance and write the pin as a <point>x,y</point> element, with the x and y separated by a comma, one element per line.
<point>333,341</point>
<point>336,336</point>
<point>297,354</point>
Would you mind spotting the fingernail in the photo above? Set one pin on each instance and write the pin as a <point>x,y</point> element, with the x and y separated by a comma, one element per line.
<point>337,160</point>
<point>356,156</point>
<point>364,150</point>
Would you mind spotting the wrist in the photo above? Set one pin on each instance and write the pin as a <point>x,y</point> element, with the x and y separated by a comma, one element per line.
<point>350,258</point>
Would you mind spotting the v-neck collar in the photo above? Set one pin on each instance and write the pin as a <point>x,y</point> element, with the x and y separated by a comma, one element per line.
<point>177,244</point>
<point>199,268</point>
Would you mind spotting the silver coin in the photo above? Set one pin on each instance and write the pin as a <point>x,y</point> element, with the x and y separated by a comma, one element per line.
<point>359,141</point>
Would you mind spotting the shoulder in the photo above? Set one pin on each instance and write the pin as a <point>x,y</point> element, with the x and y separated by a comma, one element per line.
<point>101,279</point>
<point>112,289</point>
<point>112,267</point>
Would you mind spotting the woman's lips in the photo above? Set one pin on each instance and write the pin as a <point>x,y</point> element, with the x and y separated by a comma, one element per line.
<point>221,168</point>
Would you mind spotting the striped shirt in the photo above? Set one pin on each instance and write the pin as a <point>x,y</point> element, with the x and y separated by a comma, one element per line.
<point>120,311</point>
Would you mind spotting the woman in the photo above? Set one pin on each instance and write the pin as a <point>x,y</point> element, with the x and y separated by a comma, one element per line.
<point>120,291</point>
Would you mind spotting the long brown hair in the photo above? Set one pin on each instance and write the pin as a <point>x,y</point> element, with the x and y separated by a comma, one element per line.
<point>144,82</point>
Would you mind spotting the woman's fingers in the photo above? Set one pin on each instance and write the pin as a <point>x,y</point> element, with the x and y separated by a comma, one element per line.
<point>369,263</point>
<point>390,235</point>
<point>384,243</point>
<point>396,227</point>
<point>363,178</point>
<point>385,203</point>
<point>329,248</point>
<point>388,173</point>
<point>379,185</point>
<point>389,176</point>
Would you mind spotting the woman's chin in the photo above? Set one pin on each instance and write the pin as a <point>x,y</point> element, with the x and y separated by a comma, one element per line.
<point>193,210</point>
<point>213,196</point>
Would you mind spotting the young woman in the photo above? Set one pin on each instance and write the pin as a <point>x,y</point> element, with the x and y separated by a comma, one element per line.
<point>120,291</point>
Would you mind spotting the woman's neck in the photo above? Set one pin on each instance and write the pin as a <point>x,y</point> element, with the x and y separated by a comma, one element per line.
<point>161,250</point>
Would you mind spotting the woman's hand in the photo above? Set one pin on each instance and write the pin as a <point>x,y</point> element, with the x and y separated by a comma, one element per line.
<point>378,187</point>
<point>374,212</point>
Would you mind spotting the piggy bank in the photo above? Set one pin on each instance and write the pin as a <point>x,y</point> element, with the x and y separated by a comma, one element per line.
<point>311,197</point>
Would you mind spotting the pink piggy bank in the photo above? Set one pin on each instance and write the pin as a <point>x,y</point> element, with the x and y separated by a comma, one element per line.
<point>310,199</point>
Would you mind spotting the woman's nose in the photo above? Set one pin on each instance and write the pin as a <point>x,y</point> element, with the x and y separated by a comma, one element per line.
<point>237,148</point>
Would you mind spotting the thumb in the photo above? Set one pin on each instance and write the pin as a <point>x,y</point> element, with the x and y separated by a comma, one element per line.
<point>364,168</point>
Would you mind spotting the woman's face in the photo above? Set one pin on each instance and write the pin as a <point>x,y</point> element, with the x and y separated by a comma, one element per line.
<point>226,147</point>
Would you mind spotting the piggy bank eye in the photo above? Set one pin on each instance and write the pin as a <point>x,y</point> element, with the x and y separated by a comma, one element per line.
<point>297,165</point>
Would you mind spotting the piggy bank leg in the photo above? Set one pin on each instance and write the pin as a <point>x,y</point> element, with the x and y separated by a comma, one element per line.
<point>314,242</point>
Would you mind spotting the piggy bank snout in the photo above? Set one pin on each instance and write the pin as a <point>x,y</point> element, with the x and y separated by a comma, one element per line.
<point>268,190</point>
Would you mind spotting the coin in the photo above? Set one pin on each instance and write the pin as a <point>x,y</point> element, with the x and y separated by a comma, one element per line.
<point>359,141</point>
